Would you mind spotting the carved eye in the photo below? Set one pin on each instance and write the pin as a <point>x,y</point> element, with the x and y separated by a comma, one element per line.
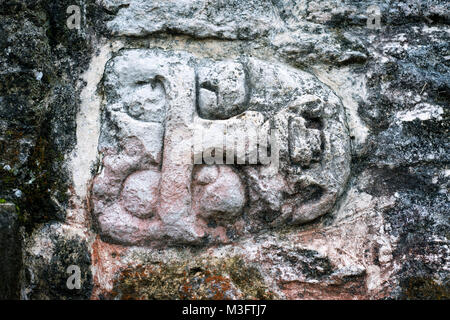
<point>147,102</point>
<point>222,90</point>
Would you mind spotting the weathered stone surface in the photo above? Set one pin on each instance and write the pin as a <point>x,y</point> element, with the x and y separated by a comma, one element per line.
<point>10,252</point>
<point>229,19</point>
<point>99,166</point>
<point>48,254</point>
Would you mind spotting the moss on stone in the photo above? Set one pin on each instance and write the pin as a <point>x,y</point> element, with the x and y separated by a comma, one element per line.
<point>248,279</point>
<point>424,288</point>
<point>215,279</point>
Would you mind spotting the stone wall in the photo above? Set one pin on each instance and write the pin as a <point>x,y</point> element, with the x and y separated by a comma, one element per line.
<point>115,161</point>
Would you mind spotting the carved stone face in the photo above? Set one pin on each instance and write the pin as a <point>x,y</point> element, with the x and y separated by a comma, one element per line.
<point>156,101</point>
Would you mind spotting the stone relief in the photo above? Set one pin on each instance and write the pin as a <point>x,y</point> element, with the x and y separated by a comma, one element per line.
<point>127,173</point>
<point>156,101</point>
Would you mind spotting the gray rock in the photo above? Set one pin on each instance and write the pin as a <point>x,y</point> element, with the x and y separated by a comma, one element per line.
<point>229,19</point>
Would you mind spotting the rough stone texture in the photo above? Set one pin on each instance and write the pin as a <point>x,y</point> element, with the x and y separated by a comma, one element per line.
<point>47,255</point>
<point>10,252</point>
<point>95,125</point>
<point>229,19</point>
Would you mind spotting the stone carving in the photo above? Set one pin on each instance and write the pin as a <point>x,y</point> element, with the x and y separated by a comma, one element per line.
<point>151,189</point>
<point>222,90</point>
